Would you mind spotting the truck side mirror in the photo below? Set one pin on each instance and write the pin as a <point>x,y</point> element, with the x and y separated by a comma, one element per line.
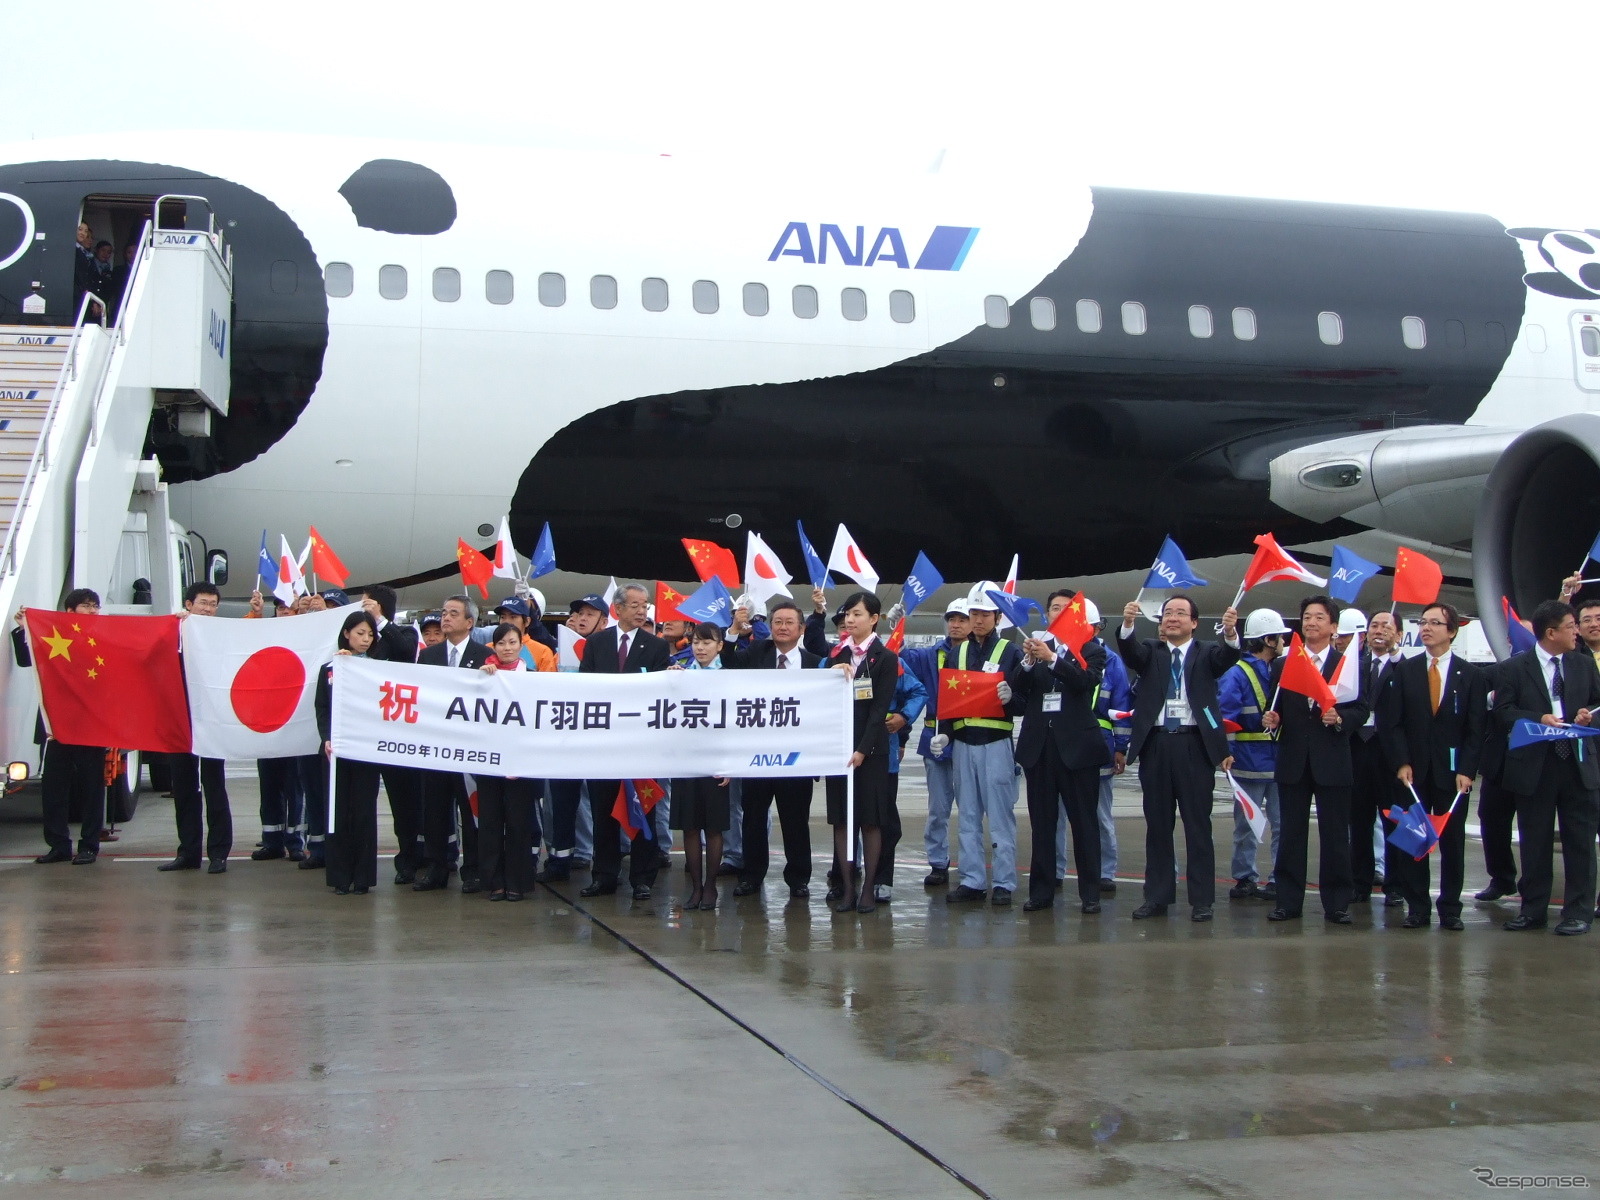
<point>217,567</point>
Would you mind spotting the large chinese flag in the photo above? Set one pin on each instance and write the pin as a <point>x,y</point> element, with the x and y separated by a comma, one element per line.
<point>110,681</point>
<point>1300,675</point>
<point>1072,629</point>
<point>970,694</point>
<point>711,559</point>
<point>1417,578</point>
<point>667,600</point>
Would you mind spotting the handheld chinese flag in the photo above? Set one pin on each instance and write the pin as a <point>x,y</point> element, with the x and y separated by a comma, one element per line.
<point>1072,629</point>
<point>636,800</point>
<point>970,694</point>
<point>110,681</point>
<point>325,563</point>
<point>1300,675</point>
<point>476,570</point>
<point>897,639</point>
<point>1272,562</point>
<point>710,559</point>
<point>505,555</point>
<point>667,600</point>
<point>1417,578</point>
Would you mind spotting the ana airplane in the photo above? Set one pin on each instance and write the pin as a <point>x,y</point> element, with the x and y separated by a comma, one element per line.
<point>642,349</point>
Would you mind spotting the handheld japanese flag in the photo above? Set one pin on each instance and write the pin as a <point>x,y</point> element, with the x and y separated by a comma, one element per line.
<point>847,559</point>
<point>1072,629</point>
<point>544,555</point>
<point>1346,681</point>
<point>1252,810</point>
<point>325,564</point>
<point>814,567</point>
<point>1273,562</point>
<point>1010,588</point>
<point>505,555</point>
<point>290,580</point>
<point>1300,675</point>
<point>764,575</point>
<point>1417,578</point>
<point>569,652</point>
<point>610,597</point>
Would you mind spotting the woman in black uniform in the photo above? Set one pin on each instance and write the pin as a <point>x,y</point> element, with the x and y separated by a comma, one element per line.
<point>352,846</point>
<point>506,817</point>
<point>700,805</point>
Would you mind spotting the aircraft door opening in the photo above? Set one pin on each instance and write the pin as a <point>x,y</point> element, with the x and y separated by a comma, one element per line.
<point>1586,349</point>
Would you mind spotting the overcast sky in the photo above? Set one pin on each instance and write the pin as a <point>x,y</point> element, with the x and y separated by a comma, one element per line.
<point>1477,107</point>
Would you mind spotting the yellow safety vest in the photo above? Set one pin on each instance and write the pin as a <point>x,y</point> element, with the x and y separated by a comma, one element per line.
<point>1261,706</point>
<point>961,665</point>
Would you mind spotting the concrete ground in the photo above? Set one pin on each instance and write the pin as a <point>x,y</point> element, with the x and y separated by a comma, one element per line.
<point>249,1034</point>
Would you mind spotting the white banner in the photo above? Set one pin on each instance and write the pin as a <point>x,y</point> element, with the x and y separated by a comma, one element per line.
<point>551,725</point>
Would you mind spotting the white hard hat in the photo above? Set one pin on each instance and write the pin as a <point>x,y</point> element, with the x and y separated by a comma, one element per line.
<point>1091,614</point>
<point>536,598</point>
<point>978,597</point>
<point>1264,622</point>
<point>958,605</point>
<point>1352,620</point>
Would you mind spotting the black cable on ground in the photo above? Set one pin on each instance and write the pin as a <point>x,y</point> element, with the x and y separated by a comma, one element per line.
<point>800,1066</point>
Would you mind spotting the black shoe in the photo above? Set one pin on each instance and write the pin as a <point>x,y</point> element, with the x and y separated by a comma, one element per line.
<point>936,877</point>
<point>1571,927</point>
<point>1453,923</point>
<point>296,856</point>
<point>341,891</point>
<point>664,861</point>
<point>1393,900</point>
<point>1061,884</point>
<point>1147,910</point>
<point>1415,921</point>
<point>267,852</point>
<point>727,868</point>
<point>177,864</point>
<point>312,862</point>
<point>513,897</point>
<point>360,889</point>
<point>799,893</point>
<point>1338,917</point>
<point>598,889</point>
<point>1032,905</point>
<point>1361,897</point>
<point>1282,914</point>
<point>579,863</point>
<point>962,894</point>
<point>216,866</point>
<point>1202,912</point>
<point>1243,889</point>
<point>404,878</point>
<point>1495,891</point>
<point>883,893</point>
<point>83,858</point>
<point>1267,891</point>
<point>1518,923</point>
<point>470,886</point>
<point>835,893</point>
<point>1001,898</point>
<point>55,856</point>
<point>641,891</point>
<point>1108,887</point>
<point>555,870</point>
<point>1089,907</point>
<point>745,888</point>
<point>430,884</point>
<point>867,904</point>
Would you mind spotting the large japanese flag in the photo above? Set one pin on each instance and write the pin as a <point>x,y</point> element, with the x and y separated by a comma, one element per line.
<point>252,683</point>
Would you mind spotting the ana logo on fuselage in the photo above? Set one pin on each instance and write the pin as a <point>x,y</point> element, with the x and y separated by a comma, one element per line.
<point>945,250</point>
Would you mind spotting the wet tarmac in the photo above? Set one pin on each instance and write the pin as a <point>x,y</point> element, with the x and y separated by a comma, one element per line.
<point>193,1035</point>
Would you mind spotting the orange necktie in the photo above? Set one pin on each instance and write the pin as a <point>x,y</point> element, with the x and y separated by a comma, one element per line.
<point>1435,686</point>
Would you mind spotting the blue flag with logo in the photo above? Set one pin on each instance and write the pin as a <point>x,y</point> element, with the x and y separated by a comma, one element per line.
<point>1520,635</point>
<point>266,565</point>
<point>544,555</point>
<point>923,582</point>
<point>815,567</point>
<point>1172,570</point>
<point>1349,572</point>
<point>1016,608</point>
<point>710,602</point>
<point>1594,552</point>
<point>1413,832</point>
<point>1527,733</point>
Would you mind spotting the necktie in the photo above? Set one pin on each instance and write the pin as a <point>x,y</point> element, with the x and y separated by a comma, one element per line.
<point>455,654</point>
<point>622,652</point>
<point>1558,690</point>
<point>1435,685</point>
<point>1174,688</point>
<point>783,662</point>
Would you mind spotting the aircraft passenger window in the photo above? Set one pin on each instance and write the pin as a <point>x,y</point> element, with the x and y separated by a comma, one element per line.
<point>552,289</point>
<point>1330,328</point>
<point>1455,335</point>
<point>996,312</point>
<point>339,279</point>
<point>1088,312</point>
<point>1042,312</point>
<point>853,303</point>
<point>285,277</point>
<point>804,299</point>
<point>1534,336</point>
<point>1589,339</point>
<point>902,307</point>
<point>653,294</point>
<point>392,282</point>
<point>499,287</point>
<point>755,299</point>
<point>1134,320</point>
<point>1495,334</point>
<point>705,297</point>
<point>603,291</point>
<point>446,284</point>
<point>1200,321</point>
<point>1244,324</point>
<point>1414,332</point>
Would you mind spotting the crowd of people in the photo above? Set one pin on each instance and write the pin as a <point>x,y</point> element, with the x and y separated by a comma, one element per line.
<point>1427,728</point>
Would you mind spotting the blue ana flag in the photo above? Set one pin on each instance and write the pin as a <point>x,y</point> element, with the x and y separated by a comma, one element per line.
<point>266,565</point>
<point>1521,636</point>
<point>1527,733</point>
<point>1349,572</point>
<point>1172,570</point>
<point>1594,552</point>
<point>814,564</point>
<point>544,555</point>
<point>923,582</point>
<point>711,602</point>
<point>1413,832</point>
<point>1016,608</point>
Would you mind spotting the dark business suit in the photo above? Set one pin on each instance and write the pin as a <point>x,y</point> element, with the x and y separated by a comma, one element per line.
<point>74,779</point>
<point>1549,784</point>
<point>1314,763</point>
<point>399,643</point>
<point>1061,754</point>
<point>792,794</point>
<point>1376,787</point>
<point>351,850</point>
<point>869,736</point>
<point>646,652</point>
<point>1438,746</point>
<point>1177,768</point>
<point>444,793</point>
<point>1497,807</point>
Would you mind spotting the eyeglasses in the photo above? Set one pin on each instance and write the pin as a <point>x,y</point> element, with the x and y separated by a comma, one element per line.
<point>1436,624</point>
